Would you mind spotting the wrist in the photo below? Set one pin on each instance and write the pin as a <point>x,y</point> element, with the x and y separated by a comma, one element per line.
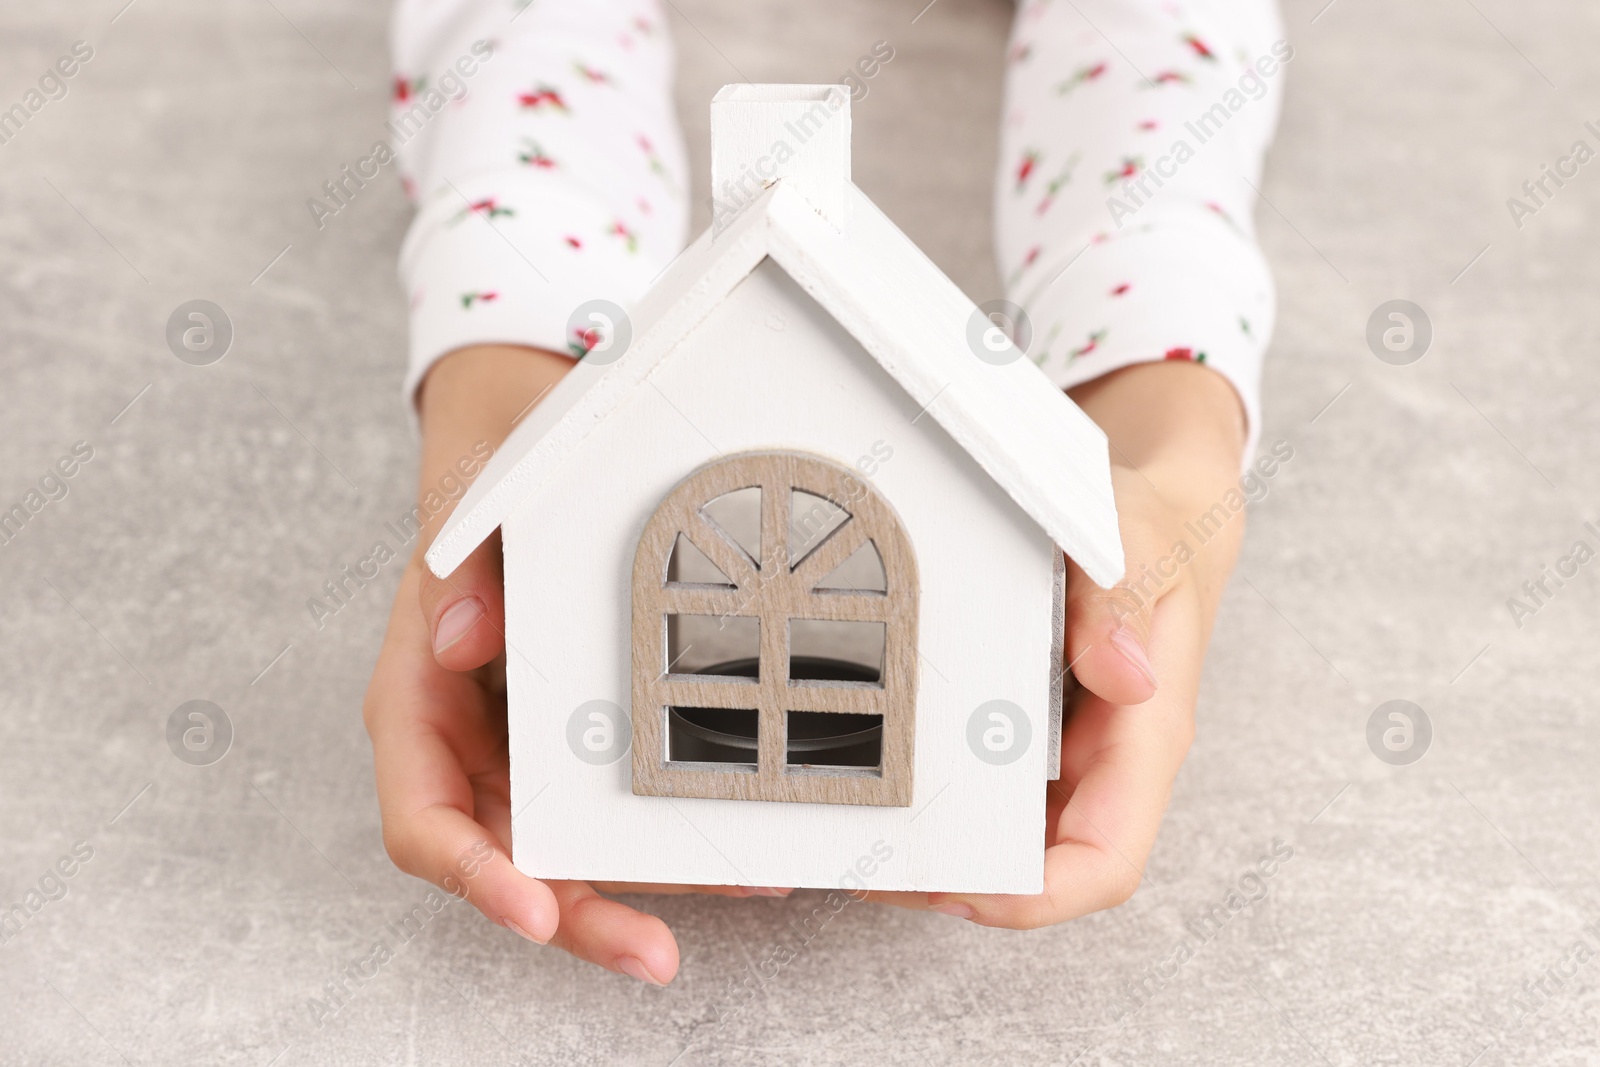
<point>1180,425</point>
<point>467,404</point>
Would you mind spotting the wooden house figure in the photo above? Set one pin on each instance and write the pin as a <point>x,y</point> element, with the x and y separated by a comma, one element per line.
<point>783,555</point>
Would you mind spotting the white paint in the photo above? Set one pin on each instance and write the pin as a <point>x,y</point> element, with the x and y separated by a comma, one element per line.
<point>763,133</point>
<point>984,630</point>
<point>1027,434</point>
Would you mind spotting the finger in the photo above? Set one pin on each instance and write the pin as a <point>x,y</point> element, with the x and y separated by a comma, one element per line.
<point>1117,774</point>
<point>446,847</point>
<point>613,935</point>
<point>1107,635</point>
<point>466,611</point>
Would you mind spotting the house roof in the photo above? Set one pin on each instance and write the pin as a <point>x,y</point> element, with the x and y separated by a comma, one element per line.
<point>1020,428</point>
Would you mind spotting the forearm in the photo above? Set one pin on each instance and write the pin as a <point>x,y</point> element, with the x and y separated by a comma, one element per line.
<point>553,176</point>
<point>1123,229</point>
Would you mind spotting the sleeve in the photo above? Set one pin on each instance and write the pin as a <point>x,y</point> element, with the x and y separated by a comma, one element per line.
<point>1131,150</point>
<point>539,142</point>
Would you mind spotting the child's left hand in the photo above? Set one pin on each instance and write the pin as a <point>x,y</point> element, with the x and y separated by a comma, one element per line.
<point>1176,433</point>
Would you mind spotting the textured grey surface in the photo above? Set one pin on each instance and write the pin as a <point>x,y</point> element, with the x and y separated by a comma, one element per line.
<point>1419,902</point>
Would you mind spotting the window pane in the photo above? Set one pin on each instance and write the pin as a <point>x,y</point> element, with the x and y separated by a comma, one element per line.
<point>830,739</point>
<point>713,735</point>
<point>824,650</point>
<point>738,515</point>
<point>811,519</point>
<point>862,572</point>
<point>713,644</point>
<point>690,566</point>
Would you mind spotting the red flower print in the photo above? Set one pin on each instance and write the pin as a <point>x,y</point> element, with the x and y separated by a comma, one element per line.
<point>469,300</point>
<point>1123,288</point>
<point>1030,160</point>
<point>1149,124</point>
<point>1199,47</point>
<point>1019,52</point>
<point>541,97</point>
<point>589,74</point>
<point>628,236</point>
<point>1080,77</point>
<point>583,340</point>
<point>658,168</point>
<point>1188,354</point>
<point>643,206</point>
<point>1171,77</point>
<point>1216,208</point>
<point>489,209</point>
<point>534,156</point>
<point>573,241</point>
<point>404,90</point>
<point>1090,345</point>
<point>1028,260</point>
<point>1131,165</point>
<point>1055,184</point>
<point>643,25</point>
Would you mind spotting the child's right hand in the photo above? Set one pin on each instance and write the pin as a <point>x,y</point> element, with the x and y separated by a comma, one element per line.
<point>436,710</point>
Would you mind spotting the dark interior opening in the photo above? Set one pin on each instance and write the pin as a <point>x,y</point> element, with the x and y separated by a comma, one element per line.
<point>815,739</point>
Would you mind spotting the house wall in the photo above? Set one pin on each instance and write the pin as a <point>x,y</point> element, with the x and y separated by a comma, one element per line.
<point>768,369</point>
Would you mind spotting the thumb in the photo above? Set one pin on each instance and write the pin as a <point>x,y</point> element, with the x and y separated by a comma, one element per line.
<point>465,611</point>
<point>1108,631</point>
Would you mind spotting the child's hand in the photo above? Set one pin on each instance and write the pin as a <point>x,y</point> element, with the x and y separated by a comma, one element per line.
<point>436,709</point>
<point>1176,432</point>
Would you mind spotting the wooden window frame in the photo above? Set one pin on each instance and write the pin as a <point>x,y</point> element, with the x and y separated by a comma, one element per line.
<point>775,592</point>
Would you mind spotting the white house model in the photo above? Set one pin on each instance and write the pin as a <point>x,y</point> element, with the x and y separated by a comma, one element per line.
<point>798,548</point>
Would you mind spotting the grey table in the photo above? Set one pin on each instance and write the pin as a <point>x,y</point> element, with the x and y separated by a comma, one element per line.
<point>1428,911</point>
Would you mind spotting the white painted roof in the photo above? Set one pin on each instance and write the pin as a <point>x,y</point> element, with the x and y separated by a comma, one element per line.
<point>1024,431</point>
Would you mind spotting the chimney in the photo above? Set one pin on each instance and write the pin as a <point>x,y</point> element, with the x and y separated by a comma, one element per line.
<point>761,134</point>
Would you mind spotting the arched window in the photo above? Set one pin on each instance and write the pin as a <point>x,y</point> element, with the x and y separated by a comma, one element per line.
<point>775,637</point>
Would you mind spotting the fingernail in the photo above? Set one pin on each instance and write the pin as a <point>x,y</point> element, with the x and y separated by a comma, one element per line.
<point>1134,653</point>
<point>634,967</point>
<point>511,925</point>
<point>956,908</point>
<point>457,619</point>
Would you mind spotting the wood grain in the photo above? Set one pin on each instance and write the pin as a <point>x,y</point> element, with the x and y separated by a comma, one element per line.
<point>775,592</point>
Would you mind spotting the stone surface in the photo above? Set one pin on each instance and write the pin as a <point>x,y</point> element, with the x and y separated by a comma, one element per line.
<point>218,900</point>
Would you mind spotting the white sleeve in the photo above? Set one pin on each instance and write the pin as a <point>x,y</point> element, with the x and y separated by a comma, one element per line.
<point>540,144</point>
<point>1131,149</point>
